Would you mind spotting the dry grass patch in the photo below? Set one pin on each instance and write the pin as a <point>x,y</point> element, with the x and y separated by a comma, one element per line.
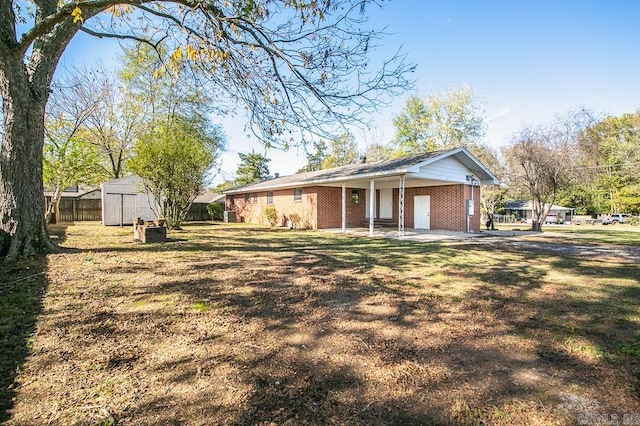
<point>231,324</point>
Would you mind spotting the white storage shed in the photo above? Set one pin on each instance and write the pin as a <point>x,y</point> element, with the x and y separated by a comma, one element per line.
<point>125,199</point>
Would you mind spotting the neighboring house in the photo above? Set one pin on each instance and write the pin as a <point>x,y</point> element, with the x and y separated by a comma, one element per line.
<point>435,190</point>
<point>125,199</point>
<point>77,203</point>
<point>523,211</point>
<point>199,211</point>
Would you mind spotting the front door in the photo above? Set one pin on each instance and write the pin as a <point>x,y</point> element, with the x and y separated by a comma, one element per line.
<point>422,212</point>
<point>386,203</point>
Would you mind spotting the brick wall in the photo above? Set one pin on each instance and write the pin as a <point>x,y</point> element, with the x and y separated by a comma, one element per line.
<point>447,207</point>
<point>252,210</point>
<point>330,207</point>
<point>321,207</point>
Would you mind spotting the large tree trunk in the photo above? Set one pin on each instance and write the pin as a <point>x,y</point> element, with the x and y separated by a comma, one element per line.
<point>22,225</point>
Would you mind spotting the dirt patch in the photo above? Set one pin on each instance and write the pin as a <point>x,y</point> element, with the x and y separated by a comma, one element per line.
<point>241,325</point>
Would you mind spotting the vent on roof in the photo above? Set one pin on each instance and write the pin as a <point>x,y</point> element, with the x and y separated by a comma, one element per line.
<point>276,175</point>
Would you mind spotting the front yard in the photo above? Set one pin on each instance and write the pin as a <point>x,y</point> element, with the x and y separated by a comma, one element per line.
<point>231,324</point>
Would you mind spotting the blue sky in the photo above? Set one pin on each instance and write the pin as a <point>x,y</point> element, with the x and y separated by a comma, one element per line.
<point>528,60</point>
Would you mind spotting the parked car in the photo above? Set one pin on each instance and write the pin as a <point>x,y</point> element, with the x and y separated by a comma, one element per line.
<point>616,218</point>
<point>553,219</point>
<point>620,218</point>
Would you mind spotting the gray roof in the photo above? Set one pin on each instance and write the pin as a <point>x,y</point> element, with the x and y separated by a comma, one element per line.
<point>208,197</point>
<point>526,205</point>
<point>375,169</point>
<point>81,192</point>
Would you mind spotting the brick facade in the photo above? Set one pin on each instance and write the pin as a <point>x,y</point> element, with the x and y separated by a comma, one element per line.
<point>448,205</point>
<point>321,206</point>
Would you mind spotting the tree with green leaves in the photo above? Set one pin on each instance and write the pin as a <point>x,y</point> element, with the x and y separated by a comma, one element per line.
<point>69,158</point>
<point>296,68</point>
<point>253,167</point>
<point>377,152</point>
<point>442,120</point>
<point>316,158</point>
<point>342,151</point>
<point>492,197</point>
<point>175,159</point>
<point>68,161</point>
<point>339,151</point>
<point>609,162</point>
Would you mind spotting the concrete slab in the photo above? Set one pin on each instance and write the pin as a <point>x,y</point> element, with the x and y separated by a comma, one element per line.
<point>429,235</point>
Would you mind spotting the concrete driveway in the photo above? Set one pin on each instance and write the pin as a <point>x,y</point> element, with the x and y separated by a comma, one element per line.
<point>515,239</point>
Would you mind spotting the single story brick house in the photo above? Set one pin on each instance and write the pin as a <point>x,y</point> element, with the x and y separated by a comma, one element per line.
<point>438,190</point>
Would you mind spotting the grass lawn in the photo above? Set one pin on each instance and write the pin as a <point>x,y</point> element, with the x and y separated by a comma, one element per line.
<point>232,324</point>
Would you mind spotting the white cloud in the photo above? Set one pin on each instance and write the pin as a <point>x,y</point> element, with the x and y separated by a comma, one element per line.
<point>500,113</point>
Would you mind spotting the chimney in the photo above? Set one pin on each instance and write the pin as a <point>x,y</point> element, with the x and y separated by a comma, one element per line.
<point>363,159</point>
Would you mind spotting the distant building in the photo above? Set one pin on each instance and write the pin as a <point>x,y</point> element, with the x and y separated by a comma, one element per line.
<point>125,199</point>
<point>523,211</point>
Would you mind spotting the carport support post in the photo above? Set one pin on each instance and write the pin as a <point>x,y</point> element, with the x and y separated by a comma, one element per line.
<point>344,208</point>
<point>372,207</point>
<point>401,206</point>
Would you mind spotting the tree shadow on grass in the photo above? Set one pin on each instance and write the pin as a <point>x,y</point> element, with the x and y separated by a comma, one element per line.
<point>350,344</point>
<point>22,286</point>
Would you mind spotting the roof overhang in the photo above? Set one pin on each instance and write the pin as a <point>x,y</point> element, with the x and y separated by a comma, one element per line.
<point>362,180</point>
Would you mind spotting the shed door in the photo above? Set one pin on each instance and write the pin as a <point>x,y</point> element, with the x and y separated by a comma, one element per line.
<point>128,209</point>
<point>422,212</point>
<point>386,203</point>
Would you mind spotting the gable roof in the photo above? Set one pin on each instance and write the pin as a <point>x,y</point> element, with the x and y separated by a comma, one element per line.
<point>207,197</point>
<point>385,168</point>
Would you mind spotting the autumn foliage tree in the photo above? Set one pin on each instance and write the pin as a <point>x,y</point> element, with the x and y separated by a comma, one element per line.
<point>449,119</point>
<point>541,160</point>
<point>296,67</point>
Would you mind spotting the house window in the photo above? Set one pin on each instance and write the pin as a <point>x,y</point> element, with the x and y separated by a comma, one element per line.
<point>247,198</point>
<point>269,198</point>
<point>232,201</point>
<point>255,197</point>
<point>355,196</point>
<point>297,194</point>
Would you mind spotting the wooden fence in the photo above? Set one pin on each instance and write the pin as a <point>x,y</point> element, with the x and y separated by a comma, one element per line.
<point>73,210</point>
<point>76,210</point>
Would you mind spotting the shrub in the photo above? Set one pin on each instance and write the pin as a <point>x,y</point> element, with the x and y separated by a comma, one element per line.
<point>295,220</point>
<point>271,215</point>
<point>215,210</point>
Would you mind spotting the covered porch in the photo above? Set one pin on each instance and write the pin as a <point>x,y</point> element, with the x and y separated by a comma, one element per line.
<point>410,202</point>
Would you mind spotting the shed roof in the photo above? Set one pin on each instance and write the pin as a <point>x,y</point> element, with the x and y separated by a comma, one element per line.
<point>405,165</point>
